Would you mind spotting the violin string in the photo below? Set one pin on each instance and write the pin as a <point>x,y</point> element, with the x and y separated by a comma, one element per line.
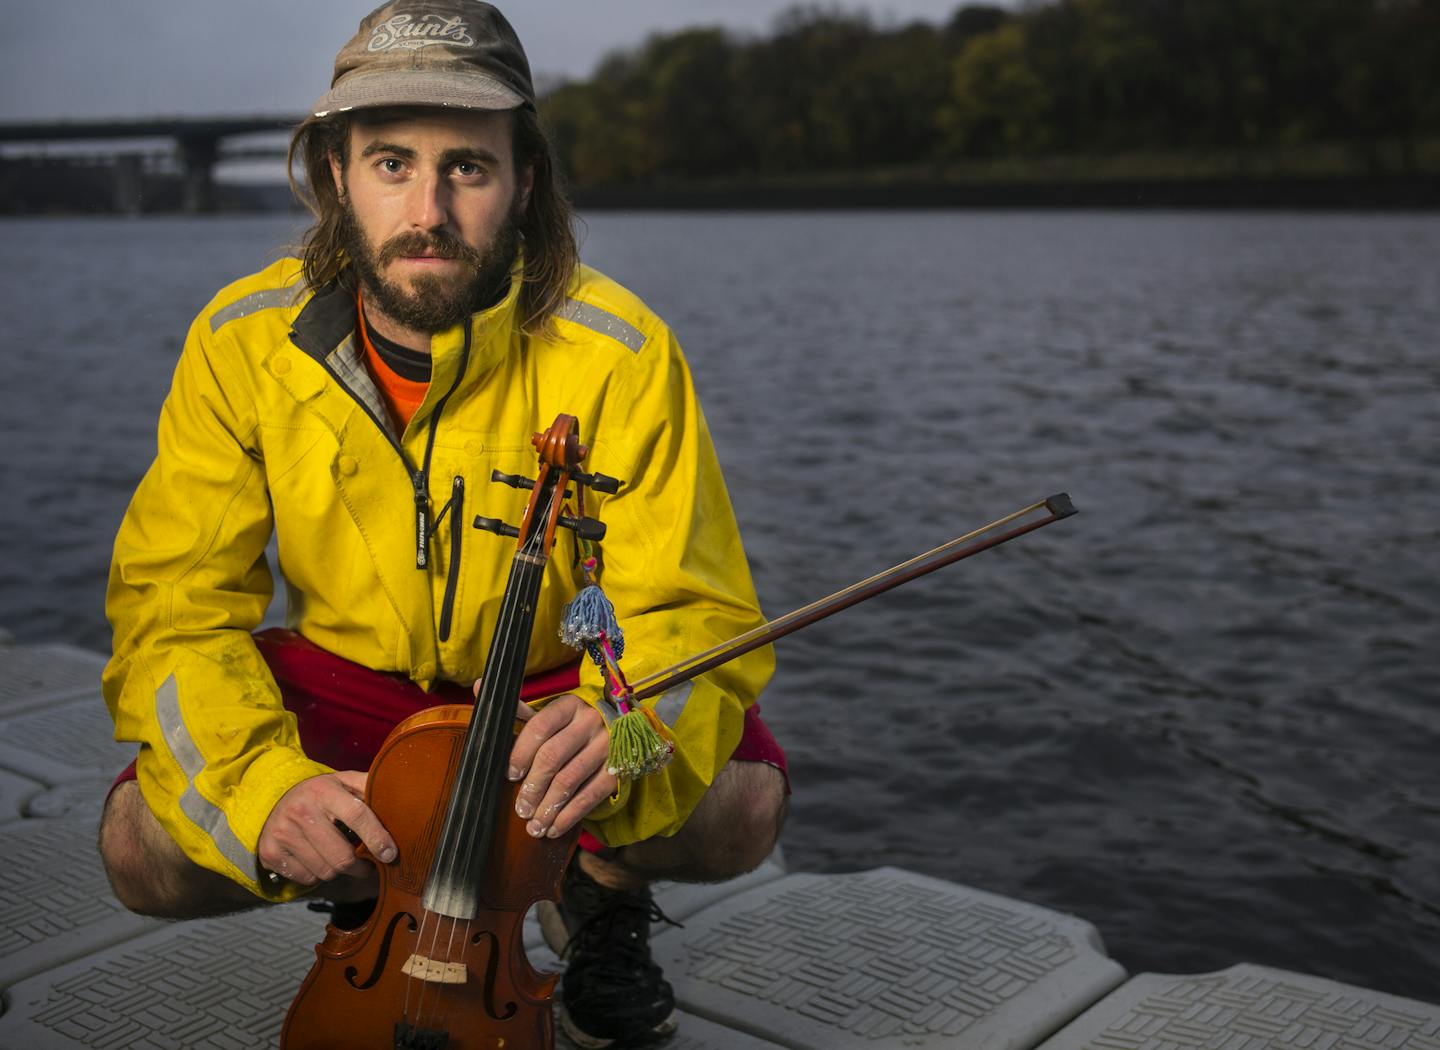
<point>464,781</point>
<point>513,629</point>
<point>426,977</point>
<point>452,858</point>
<point>410,977</point>
<point>464,847</point>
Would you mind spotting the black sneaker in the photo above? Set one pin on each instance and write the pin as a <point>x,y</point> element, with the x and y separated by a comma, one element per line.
<point>612,994</point>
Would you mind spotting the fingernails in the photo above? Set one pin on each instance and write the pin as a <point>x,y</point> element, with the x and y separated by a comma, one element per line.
<point>515,773</point>
<point>523,809</point>
<point>387,854</point>
<point>535,829</point>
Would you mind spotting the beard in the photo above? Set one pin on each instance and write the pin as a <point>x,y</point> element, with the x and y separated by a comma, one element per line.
<point>432,303</point>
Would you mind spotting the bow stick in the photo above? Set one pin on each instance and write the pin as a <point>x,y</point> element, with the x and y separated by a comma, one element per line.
<point>981,539</point>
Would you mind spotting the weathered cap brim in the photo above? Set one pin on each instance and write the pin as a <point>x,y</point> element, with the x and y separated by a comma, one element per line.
<point>394,87</point>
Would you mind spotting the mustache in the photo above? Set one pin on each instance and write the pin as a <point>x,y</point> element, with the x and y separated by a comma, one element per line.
<point>439,244</point>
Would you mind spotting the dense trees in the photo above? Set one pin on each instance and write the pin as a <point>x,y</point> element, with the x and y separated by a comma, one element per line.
<point>830,91</point>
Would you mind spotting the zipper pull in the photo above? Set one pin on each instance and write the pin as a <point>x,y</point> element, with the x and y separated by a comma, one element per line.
<point>456,509</point>
<point>422,521</point>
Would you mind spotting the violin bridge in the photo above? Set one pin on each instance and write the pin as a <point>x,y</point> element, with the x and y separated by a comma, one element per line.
<point>433,971</point>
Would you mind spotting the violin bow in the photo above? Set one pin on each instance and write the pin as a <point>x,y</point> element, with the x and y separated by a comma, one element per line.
<point>981,539</point>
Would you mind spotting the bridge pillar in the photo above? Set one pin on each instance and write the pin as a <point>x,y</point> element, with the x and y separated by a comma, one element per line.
<point>198,154</point>
<point>128,184</point>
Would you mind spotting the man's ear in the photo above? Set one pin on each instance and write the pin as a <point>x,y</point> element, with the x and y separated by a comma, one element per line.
<point>337,172</point>
<point>523,190</point>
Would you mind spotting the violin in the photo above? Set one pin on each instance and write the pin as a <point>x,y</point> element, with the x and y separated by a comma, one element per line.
<point>440,962</point>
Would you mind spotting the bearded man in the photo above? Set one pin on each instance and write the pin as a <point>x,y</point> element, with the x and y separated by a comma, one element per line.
<point>353,404</point>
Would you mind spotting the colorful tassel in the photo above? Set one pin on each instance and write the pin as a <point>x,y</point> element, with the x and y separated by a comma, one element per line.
<point>639,742</point>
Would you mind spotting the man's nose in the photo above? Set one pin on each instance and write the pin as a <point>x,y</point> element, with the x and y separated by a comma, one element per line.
<point>430,208</point>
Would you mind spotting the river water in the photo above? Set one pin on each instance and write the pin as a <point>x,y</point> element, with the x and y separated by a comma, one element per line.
<point>1201,714</point>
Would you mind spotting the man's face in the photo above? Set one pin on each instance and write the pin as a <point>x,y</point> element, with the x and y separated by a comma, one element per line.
<point>432,202</point>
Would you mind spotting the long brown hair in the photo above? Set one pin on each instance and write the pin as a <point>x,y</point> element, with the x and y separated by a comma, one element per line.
<point>547,225</point>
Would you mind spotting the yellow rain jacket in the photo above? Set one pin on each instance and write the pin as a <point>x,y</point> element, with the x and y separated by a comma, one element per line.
<point>273,425</point>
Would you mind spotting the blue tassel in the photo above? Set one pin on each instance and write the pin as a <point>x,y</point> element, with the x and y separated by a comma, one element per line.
<point>585,617</point>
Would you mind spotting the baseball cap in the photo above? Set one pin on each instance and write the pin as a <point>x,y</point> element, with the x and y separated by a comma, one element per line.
<point>456,53</point>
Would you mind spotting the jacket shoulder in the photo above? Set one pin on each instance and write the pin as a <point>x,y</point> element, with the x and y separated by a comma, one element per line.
<point>597,305</point>
<point>274,294</point>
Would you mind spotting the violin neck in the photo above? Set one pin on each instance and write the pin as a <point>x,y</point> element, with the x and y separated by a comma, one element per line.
<point>471,813</point>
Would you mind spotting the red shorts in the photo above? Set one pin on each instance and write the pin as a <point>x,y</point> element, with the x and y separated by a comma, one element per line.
<point>345,711</point>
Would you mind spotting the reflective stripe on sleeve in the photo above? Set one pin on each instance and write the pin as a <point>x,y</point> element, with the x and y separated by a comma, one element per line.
<point>670,706</point>
<point>266,299</point>
<point>207,816</point>
<point>603,322</point>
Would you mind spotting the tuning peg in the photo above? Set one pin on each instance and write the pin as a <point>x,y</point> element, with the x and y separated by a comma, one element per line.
<point>600,482</point>
<point>496,526</point>
<point>513,480</point>
<point>585,528</point>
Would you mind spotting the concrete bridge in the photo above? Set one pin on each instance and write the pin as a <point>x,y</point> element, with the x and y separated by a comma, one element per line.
<point>197,147</point>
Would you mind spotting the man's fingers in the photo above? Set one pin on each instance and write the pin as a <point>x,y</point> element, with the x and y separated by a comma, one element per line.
<point>305,838</point>
<point>540,727</point>
<point>353,780</point>
<point>351,811</point>
<point>600,787</point>
<point>576,788</point>
<point>548,774</point>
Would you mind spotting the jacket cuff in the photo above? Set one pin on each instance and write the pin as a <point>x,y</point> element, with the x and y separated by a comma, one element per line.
<point>271,775</point>
<point>616,803</point>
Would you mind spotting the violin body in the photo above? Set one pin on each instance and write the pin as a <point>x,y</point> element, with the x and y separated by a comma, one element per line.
<point>411,978</point>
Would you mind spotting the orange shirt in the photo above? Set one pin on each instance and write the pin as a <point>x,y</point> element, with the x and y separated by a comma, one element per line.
<point>402,396</point>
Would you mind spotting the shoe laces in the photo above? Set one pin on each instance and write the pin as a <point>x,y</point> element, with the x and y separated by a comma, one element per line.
<point>618,930</point>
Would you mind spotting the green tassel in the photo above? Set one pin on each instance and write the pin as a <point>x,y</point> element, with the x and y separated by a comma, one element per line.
<point>639,744</point>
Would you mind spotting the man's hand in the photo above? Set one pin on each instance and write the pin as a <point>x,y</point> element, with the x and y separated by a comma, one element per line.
<point>560,755</point>
<point>302,843</point>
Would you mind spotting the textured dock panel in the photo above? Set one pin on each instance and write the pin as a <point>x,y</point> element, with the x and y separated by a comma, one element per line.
<point>80,798</point>
<point>680,900</point>
<point>216,984</point>
<point>220,984</point>
<point>886,958</point>
<point>1250,1008</point>
<point>37,675</point>
<point>70,740</point>
<point>55,904</point>
<point>15,792</point>
<point>695,1033</point>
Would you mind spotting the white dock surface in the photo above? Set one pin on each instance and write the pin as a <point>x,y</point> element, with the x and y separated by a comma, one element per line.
<point>880,959</point>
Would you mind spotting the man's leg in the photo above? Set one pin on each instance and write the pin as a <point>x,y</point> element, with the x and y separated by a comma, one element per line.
<point>150,874</point>
<point>732,830</point>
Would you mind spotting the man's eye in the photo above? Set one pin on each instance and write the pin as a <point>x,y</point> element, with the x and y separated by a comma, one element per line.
<point>392,165</point>
<point>467,169</point>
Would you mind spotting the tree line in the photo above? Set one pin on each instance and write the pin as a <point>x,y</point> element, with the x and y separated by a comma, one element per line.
<point>830,91</point>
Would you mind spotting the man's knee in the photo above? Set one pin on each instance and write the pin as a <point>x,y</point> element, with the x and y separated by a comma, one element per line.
<point>753,805</point>
<point>149,873</point>
<point>122,848</point>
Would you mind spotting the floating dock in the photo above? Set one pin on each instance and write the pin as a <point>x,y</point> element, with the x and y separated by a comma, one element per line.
<point>879,959</point>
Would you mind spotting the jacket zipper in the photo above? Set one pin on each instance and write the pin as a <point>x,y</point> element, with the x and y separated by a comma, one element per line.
<point>456,509</point>
<point>420,479</point>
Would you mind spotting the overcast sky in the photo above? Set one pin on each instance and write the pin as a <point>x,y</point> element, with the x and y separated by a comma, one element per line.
<point>87,59</point>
